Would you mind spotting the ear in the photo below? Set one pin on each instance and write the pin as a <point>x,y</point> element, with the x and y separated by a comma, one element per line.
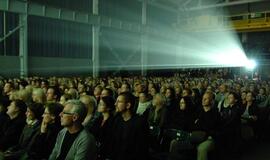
<point>75,117</point>
<point>128,106</point>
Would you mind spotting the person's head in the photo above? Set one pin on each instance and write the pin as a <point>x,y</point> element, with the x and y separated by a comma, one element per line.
<point>153,91</point>
<point>97,91</point>
<point>8,88</point>
<point>38,95</point>
<point>262,91</point>
<point>53,94</point>
<point>107,92</point>
<point>90,103</point>
<point>23,84</point>
<point>223,88</point>
<point>243,95</point>
<point>170,93</point>
<point>186,92</point>
<point>138,87</point>
<point>159,100</point>
<point>195,93</point>
<point>73,114</point>
<point>34,111</point>
<point>16,107</point>
<point>125,102</point>
<point>81,88</point>
<point>73,92</point>
<point>44,84</point>
<point>232,98</point>
<point>250,97</point>
<point>51,113</point>
<point>125,87</point>
<point>208,99</point>
<point>65,97</point>
<point>106,104</point>
<point>185,103</point>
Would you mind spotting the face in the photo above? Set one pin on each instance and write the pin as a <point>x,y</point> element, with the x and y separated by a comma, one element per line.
<point>104,93</point>
<point>124,88</point>
<point>243,95</point>
<point>206,100</point>
<point>168,93</point>
<point>80,88</point>
<point>47,117</point>
<point>185,93</point>
<point>50,94</point>
<point>153,91</point>
<point>101,106</point>
<point>231,99</point>
<point>121,104</point>
<point>67,116</point>
<point>12,109</point>
<point>97,92</point>
<point>182,104</point>
<point>7,88</point>
<point>222,88</point>
<point>249,97</point>
<point>29,114</point>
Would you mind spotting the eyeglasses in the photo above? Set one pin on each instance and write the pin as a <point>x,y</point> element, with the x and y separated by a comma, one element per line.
<point>68,113</point>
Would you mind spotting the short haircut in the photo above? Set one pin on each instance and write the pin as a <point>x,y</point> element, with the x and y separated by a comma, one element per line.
<point>21,105</point>
<point>129,98</point>
<point>79,108</point>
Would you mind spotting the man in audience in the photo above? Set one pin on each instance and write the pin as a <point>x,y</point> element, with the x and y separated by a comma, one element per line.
<point>129,132</point>
<point>73,142</point>
<point>207,121</point>
<point>53,94</point>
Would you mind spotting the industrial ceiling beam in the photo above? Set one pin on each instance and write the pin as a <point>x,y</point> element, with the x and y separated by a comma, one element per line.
<point>224,4</point>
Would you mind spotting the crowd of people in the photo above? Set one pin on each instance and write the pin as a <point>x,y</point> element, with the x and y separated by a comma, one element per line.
<point>131,118</point>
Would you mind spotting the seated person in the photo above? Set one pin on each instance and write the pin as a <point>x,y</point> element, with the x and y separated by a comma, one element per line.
<point>12,129</point>
<point>43,142</point>
<point>33,118</point>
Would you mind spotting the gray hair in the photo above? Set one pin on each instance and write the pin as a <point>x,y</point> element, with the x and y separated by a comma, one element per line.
<point>79,108</point>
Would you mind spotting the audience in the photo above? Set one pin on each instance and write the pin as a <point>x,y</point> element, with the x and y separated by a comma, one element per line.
<point>215,114</point>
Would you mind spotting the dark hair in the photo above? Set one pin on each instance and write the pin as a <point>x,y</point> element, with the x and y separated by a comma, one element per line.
<point>188,102</point>
<point>109,102</point>
<point>129,98</point>
<point>172,92</point>
<point>37,109</point>
<point>56,91</point>
<point>110,91</point>
<point>55,109</point>
<point>21,105</point>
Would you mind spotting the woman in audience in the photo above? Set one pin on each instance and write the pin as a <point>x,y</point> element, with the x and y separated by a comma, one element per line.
<point>33,118</point>
<point>182,118</point>
<point>249,116</point>
<point>43,142</point>
<point>230,129</point>
<point>144,103</point>
<point>102,125</point>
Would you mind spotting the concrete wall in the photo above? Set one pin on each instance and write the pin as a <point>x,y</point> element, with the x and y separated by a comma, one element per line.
<point>9,66</point>
<point>40,66</point>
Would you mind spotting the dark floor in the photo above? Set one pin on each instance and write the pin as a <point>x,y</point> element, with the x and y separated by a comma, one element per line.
<point>259,152</point>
